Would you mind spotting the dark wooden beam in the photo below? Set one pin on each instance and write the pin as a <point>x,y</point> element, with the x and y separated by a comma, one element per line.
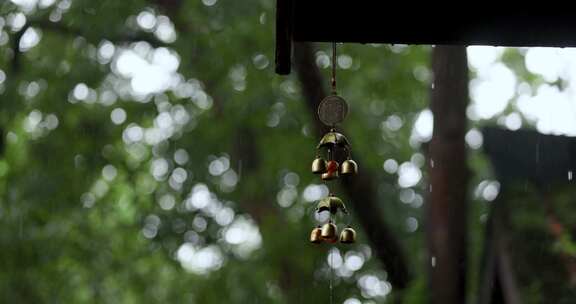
<point>408,23</point>
<point>372,23</point>
<point>283,36</point>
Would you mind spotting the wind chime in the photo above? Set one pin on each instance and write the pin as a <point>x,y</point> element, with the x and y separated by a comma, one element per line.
<point>333,146</point>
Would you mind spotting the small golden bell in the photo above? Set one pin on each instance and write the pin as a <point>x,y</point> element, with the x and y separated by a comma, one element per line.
<point>316,235</point>
<point>332,204</point>
<point>348,236</point>
<point>329,233</point>
<point>318,165</point>
<point>333,139</point>
<point>349,167</point>
<point>329,175</point>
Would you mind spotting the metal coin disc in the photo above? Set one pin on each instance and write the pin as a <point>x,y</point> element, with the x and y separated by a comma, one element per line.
<point>332,110</point>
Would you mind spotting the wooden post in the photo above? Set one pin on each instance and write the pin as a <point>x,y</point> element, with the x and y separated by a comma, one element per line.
<point>446,210</point>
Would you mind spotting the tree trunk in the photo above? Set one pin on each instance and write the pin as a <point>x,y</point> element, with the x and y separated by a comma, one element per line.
<point>446,210</point>
<point>498,280</point>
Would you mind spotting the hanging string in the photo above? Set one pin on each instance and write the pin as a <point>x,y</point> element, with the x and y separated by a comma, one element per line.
<point>331,274</point>
<point>333,79</point>
<point>333,83</point>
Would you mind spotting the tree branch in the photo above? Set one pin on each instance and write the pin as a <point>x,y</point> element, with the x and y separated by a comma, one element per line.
<point>76,32</point>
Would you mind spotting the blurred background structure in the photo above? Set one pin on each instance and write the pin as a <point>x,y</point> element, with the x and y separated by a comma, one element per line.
<point>150,154</point>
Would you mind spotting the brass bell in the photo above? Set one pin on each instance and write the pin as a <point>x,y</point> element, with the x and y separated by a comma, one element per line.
<point>329,175</point>
<point>349,167</point>
<point>329,233</point>
<point>332,204</point>
<point>348,236</point>
<point>316,235</point>
<point>318,165</point>
<point>333,139</point>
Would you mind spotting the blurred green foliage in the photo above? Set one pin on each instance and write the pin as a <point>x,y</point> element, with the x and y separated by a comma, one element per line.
<point>150,154</point>
<point>98,171</point>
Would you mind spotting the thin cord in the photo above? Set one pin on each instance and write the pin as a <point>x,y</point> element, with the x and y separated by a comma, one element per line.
<point>331,274</point>
<point>330,265</point>
<point>333,80</point>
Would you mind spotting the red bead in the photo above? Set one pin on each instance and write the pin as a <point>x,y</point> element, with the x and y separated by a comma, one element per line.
<point>332,166</point>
